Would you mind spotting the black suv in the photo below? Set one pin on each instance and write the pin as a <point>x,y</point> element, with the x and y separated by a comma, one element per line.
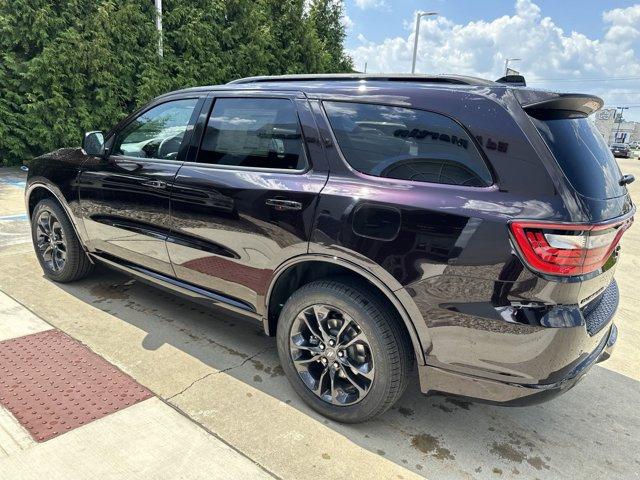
<point>370,223</point>
<point>620,150</point>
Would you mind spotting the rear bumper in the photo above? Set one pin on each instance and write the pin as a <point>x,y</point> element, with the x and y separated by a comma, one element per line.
<point>579,348</point>
<point>513,394</point>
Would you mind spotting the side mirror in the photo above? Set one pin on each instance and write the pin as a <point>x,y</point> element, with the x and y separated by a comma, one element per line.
<point>627,179</point>
<point>93,143</point>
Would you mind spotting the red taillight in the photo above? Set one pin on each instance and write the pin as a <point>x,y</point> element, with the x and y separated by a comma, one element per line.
<point>565,249</point>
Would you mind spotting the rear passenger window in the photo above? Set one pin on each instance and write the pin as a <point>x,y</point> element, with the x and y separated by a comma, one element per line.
<point>406,144</point>
<point>253,132</point>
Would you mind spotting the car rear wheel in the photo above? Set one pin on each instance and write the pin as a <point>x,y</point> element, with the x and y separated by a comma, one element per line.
<point>345,353</point>
<point>57,247</point>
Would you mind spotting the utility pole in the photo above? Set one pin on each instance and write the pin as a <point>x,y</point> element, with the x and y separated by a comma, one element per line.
<point>622,109</point>
<point>365,67</point>
<point>419,16</point>
<point>506,64</point>
<point>159,25</point>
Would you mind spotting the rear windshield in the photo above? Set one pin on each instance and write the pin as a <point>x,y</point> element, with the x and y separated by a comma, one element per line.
<point>583,155</point>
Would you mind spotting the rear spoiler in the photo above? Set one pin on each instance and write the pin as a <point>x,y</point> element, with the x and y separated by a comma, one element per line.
<point>514,80</point>
<point>547,105</point>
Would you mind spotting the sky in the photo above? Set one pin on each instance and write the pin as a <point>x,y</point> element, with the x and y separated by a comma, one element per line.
<point>587,46</point>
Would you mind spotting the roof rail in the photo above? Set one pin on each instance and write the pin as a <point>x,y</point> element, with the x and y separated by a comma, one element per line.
<point>394,77</point>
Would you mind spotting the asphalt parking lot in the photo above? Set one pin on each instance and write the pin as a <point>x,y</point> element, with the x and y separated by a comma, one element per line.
<point>223,374</point>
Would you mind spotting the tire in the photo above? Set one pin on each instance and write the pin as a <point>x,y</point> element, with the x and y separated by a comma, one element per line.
<point>76,263</point>
<point>385,339</point>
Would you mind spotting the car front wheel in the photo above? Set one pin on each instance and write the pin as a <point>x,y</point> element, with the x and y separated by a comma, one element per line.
<point>57,247</point>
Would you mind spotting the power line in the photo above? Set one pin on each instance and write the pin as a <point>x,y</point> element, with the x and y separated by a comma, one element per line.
<point>583,80</point>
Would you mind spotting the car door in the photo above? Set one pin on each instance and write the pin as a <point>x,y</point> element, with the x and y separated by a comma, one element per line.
<point>124,195</point>
<point>247,203</point>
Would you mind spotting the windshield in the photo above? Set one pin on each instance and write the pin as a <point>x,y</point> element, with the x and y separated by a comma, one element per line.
<point>583,156</point>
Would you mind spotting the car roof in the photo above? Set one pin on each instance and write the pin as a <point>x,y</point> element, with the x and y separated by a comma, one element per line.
<point>405,89</point>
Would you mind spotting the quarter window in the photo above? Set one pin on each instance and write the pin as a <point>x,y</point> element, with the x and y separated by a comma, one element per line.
<point>158,132</point>
<point>406,144</point>
<point>253,132</point>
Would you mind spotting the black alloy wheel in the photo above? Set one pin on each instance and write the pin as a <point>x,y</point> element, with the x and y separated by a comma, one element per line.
<point>50,241</point>
<point>332,354</point>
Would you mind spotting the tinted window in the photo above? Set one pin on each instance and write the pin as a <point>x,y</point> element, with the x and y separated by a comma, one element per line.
<point>158,132</point>
<point>583,155</point>
<point>406,144</point>
<point>253,132</point>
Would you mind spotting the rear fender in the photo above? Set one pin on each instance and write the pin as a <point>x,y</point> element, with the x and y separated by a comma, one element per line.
<point>400,298</point>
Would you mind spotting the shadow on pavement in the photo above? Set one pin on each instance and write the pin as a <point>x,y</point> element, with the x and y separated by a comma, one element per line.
<point>593,431</point>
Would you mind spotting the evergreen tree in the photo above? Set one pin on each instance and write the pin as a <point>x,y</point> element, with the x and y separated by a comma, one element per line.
<point>88,77</point>
<point>26,26</point>
<point>191,44</point>
<point>325,19</point>
<point>294,46</point>
<point>245,40</point>
<point>67,66</point>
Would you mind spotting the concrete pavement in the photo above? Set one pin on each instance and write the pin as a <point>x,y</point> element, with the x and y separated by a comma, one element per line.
<point>147,440</point>
<point>223,374</point>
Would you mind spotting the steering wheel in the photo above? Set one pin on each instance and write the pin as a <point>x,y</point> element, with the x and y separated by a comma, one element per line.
<point>169,147</point>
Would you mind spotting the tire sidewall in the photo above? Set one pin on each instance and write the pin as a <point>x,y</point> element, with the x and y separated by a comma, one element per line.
<point>372,403</point>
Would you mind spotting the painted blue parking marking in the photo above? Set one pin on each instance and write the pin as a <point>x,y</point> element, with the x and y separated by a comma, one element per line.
<point>13,183</point>
<point>17,216</point>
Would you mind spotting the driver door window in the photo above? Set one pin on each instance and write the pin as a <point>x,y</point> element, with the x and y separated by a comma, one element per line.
<point>157,133</point>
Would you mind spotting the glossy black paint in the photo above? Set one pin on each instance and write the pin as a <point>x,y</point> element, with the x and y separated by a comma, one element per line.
<point>231,227</point>
<point>482,323</point>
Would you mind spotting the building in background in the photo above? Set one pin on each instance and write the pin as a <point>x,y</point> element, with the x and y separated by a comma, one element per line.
<point>614,129</point>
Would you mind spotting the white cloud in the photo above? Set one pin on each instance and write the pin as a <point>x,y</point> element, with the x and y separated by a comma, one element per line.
<point>347,22</point>
<point>623,16</point>
<point>547,51</point>
<point>365,4</point>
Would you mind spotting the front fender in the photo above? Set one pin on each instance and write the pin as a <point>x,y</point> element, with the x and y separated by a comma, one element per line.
<point>42,187</point>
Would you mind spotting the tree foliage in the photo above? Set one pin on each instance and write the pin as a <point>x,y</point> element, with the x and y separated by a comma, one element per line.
<point>67,66</point>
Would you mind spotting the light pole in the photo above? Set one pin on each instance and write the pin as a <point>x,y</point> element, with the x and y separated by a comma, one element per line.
<point>419,16</point>
<point>506,64</point>
<point>622,109</point>
<point>159,25</point>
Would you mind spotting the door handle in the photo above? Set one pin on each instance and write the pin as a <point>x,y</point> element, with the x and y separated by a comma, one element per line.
<point>155,184</point>
<point>280,204</point>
